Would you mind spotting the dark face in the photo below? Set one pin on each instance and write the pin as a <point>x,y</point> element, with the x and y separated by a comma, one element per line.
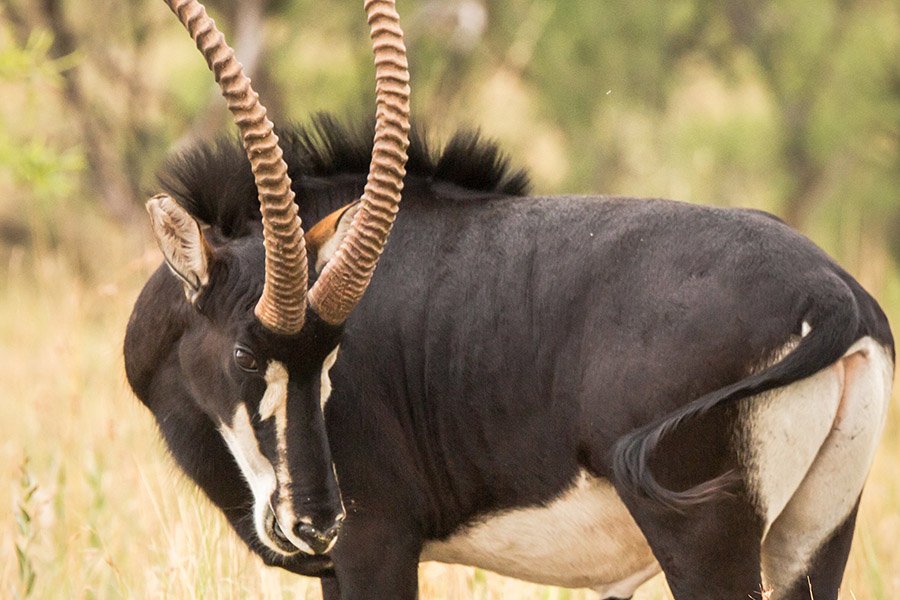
<point>265,393</point>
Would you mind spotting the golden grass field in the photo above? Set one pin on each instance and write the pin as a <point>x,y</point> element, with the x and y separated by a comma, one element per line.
<point>92,507</point>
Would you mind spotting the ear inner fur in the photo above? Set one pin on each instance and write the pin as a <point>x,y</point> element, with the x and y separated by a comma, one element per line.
<point>325,238</point>
<point>322,231</point>
<point>182,243</point>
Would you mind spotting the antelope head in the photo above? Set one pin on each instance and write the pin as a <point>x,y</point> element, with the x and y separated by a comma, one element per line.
<point>255,357</point>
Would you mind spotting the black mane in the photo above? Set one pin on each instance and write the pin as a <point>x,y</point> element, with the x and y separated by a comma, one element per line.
<point>214,183</point>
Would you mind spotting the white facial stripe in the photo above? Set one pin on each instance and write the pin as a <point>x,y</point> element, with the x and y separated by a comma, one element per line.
<point>285,508</point>
<point>324,395</point>
<point>258,472</point>
<point>274,404</point>
<point>276,389</point>
<point>256,469</point>
<point>242,442</point>
<point>325,381</point>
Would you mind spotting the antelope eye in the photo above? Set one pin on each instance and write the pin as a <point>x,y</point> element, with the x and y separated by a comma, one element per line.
<point>245,360</point>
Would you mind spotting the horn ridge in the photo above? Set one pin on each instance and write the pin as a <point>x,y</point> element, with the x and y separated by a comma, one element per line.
<point>282,306</point>
<point>346,276</point>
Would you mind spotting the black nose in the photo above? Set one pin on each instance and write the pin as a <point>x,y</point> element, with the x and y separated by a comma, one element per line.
<point>320,541</point>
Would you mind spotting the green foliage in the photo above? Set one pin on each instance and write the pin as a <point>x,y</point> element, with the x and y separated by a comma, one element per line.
<point>791,107</point>
<point>48,172</point>
<point>40,170</point>
<point>30,62</point>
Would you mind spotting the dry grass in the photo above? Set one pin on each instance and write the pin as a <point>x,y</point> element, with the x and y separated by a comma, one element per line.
<point>93,508</point>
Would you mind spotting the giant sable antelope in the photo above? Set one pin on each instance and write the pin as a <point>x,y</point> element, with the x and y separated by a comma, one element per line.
<point>574,391</point>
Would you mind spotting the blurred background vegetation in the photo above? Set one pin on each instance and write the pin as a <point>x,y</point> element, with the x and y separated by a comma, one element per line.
<point>791,107</point>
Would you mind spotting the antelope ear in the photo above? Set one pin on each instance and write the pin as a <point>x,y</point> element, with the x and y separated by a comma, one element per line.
<point>182,243</point>
<point>326,236</point>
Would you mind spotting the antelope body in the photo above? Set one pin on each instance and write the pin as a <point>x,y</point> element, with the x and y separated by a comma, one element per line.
<point>574,391</point>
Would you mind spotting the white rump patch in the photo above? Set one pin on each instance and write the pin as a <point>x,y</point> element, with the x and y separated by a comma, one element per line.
<point>584,538</point>
<point>808,448</point>
<point>325,379</point>
<point>781,434</point>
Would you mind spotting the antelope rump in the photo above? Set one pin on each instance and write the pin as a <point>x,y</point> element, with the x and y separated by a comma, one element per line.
<point>578,391</point>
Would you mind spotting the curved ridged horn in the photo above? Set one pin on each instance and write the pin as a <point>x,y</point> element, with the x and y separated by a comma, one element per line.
<point>282,307</point>
<point>347,274</point>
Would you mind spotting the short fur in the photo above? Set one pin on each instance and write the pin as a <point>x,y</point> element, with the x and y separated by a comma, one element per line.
<point>505,346</point>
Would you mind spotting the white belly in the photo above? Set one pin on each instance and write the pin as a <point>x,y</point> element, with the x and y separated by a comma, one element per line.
<point>585,538</point>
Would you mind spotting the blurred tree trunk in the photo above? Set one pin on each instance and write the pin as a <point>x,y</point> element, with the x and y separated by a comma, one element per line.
<point>117,193</point>
<point>115,142</point>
